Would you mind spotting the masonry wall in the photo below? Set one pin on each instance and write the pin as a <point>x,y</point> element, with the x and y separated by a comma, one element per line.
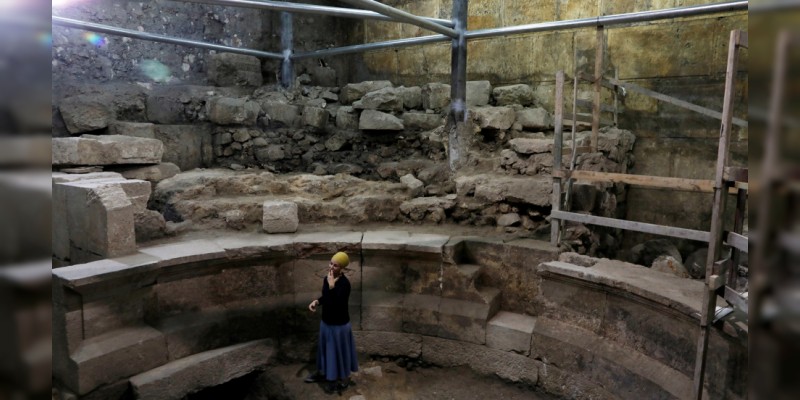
<point>684,58</point>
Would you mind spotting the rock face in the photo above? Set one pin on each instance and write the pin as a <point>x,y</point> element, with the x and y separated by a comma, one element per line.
<point>230,111</point>
<point>531,146</point>
<point>376,120</point>
<point>494,117</point>
<point>421,121</point>
<point>106,150</point>
<point>513,94</point>
<point>386,99</point>
<point>435,96</point>
<point>281,112</point>
<point>228,69</point>
<point>478,93</point>
<point>280,217</point>
<point>85,113</point>
<point>534,118</point>
<point>354,91</point>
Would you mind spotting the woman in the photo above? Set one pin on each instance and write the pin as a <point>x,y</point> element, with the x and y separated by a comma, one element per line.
<point>336,354</point>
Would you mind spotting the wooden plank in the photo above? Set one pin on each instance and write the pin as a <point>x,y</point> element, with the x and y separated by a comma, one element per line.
<point>736,299</point>
<point>737,241</point>
<point>558,144</point>
<point>598,77</point>
<point>735,174</point>
<point>683,233</point>
<point>742,40</point>
<point>676,102</point>
<point>691,185</point>
<point>603,82</point>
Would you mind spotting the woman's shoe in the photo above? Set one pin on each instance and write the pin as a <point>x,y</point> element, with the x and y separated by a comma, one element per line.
<point>313,377</point>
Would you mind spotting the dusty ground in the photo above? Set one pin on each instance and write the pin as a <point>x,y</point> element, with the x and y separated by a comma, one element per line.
<point>376,380</point>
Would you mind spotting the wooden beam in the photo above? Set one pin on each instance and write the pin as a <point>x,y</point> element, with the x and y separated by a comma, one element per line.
<point>676,102</point>
<point>691,185</point>
<point>737,241</point>
<point>598,78</point>
<point>555,229</point>
<point>603,82</point>
<point>736,299</point>
<point>682,233</point>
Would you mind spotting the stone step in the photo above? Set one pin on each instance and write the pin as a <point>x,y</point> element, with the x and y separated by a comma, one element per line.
<point>623,371</point>
<point>510,332</point>
<point>115,355</point>
<point>459,281</point>
<point>210,368</point>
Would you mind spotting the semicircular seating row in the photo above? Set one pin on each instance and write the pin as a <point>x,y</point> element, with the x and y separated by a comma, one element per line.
<point>161,322</point>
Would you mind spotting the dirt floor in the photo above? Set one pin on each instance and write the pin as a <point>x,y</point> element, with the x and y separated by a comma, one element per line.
<point>376,380</point>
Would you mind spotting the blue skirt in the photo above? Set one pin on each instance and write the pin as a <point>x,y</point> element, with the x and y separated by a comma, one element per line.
<point>336,355</point>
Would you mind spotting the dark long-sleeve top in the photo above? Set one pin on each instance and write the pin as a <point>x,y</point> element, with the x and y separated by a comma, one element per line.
<point>335,301</point>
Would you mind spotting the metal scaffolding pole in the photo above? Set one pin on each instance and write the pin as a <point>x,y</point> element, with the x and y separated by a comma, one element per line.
<point>91,26</point>
<point>402,16</point>
<point>310,9</point>
<point>458,86</point>
<point>287,70</point>
<point>618,19</point>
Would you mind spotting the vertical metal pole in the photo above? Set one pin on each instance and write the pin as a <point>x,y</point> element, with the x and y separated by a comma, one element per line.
<point>287,70</point>
<point>558,144</point>
<point>598,76</point>
<point>717,212</point>
<point>458,85</point>
<point>616,99</point>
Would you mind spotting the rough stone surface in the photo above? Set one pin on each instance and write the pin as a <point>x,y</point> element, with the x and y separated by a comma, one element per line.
<point>421,121</point>
<point>513,94</point>
<point>84,113</point>
<point>189,374</point>
<point>149,225</point>
<point>151,173</point>
<point>106,150</point>
<point>386,99</point>
<point>228,69</point>
<point>669,265</point>
<point>315,117</point>
<point>389,343</point>
<point>435,96</point>
<point>412,97</point>
<point>346,118</point>
<point>478,93</point>
<point>137,129</point>
<point>503,188</point>
<point>510,332</point>
<point>187,146</point>
<point>696,263</point>
<point>284,113</point>
<point>534,118</point>
<point>376,120</point>
<point>509,219</point>
<point>280,217</point>
<point>414,185</point>
<point>494,117</point>
<point>483,360</point>
<point>531,146</point>
<point>354,91</point>
<point>232,111</point>
<point>647,252</point>
<point>431,209</point>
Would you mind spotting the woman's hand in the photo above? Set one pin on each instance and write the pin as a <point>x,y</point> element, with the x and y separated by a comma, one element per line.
<point>331,279</point>
<point>313,306</point>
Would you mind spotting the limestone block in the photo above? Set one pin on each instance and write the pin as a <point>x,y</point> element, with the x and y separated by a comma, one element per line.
<point>421,314</point>
<point>346,118</point>
<point>136,129</point>
<point>510,332</point>
<point>286,114</point>
<point>315,117</point>
<point>190,374</point>
<point>106,150</point>
<point>458,281</point>
<point>99,220</point>
<point>466,320</point>
<point>376,120</point>
<point>151,173</point>
<point>386,99</point>
<point>388,343</point>
<point>228,69</point>
<point>412,97</point>
<point>534,118</point>
<point>354,91</point>
<point>112,313</point>
<point>414,185</point>
<point>496,189</point>
<point>84,113</point>
<point>421,121</point>
<point>184,252</point>
<point>481,359</point>
<point>494,117</point>
<point>478,93</point>
<point>381,311</point>
<point>232,111</point>
<point>187,146</point>
<point>116,355</point>
<point>531,146</point>
<point>435,96</point>
<point>669,265</point>
<point>280,217</point>
<point>513,94</point>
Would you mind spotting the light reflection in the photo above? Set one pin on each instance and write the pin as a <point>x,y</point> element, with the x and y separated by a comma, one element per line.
<point>155,70</point>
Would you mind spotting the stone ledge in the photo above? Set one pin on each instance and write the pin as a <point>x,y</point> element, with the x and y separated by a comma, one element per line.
<point>214,367</point>
<point>681,294</point>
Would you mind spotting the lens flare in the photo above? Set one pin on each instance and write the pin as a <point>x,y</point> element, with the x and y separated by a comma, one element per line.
<point>95,39</point>
<point>155,70</point>
<point>45,38</point>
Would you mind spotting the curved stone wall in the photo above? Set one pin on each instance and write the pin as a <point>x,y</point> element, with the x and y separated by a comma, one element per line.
<point>164,314</point>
